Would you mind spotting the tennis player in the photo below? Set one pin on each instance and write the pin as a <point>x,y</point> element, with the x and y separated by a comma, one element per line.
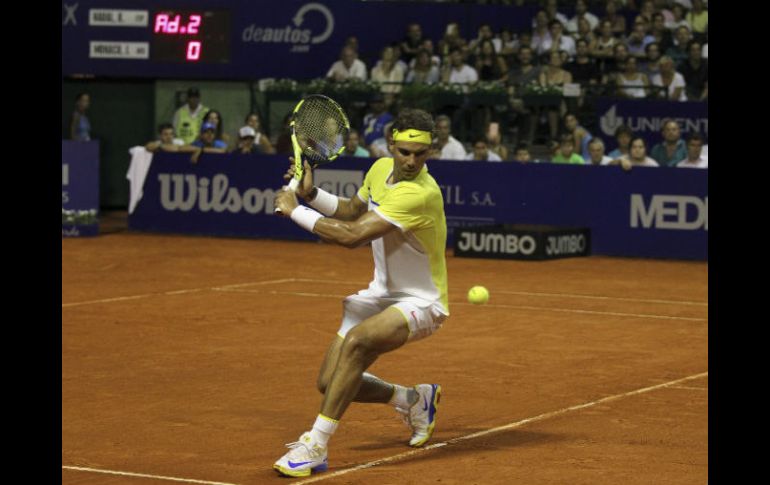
<point>400,210</point>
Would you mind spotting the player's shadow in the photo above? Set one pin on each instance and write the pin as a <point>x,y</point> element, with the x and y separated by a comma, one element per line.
<point>504,439</point>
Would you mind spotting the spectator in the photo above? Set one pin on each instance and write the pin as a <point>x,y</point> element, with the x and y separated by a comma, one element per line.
<point>637,156</point>
<point>605,44</point>
<point>482,153</point>
<point>246,141</point>
<point>523,39</point>
<point>261,140</point>
<point>484,34</point>
<point>557,40</point>
<point>581,12</point>
<point>521,154</point>
<point>638,39</point>
<point>490,66</point>
<point>451,40</point>
<point>672,81</point>
<point>698,18</point>
<point>554,75</point>
<point>412,43</point>
<point>375,121</point>
<point>540,31</point>
<point>651,64</point>
<point>677,12</point>
<point>551,7</point>
<point>659,31</point>
<point>661,7</point>
<point>80,126</point>
<point>353,147</point>
<point>166,141</point>
<point>381,146</point>
<point>494,141</point>
<point>456,71</point>
<point>348,67</point>
<point>696,73</point>
<point>208,141</point>
<point>189,118</point>
<point>646,11</point>
<point>553,148</point>
<point>614,66</point>
<point>427,45</point>
<point>584,32</point>
<point>518,78</point>
<point>623,136</point>
<point>631,83</point>
<point>283,141</point>
<point>672,149</point>
<point>566,153</point>
<point>579,134</point>
<point>505,43</point>
<point>596,154</point>
<point>423,71</point>
<point>584,69</point>
<point>616,20</point>
<point>694,159</point>
<point>678,51</point>
<point>388,72</point>
<point>451,148</point>
<point>214,117</point>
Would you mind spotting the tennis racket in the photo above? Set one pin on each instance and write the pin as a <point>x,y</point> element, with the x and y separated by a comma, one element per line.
<point>318,129</point>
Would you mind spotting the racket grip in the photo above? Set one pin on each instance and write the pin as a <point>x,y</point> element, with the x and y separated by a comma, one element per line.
<point>293,184</point>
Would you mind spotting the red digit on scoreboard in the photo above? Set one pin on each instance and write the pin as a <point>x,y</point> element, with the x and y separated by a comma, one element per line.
<point>193,50</point>
<point>195,21</point>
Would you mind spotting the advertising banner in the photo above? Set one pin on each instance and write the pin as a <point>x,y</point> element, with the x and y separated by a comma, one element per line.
<point>79,188</point>
<point>647,212</point>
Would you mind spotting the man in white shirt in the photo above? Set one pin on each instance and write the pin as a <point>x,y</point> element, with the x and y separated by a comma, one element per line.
<point>482,153</point>
<point>348,67</point>
<point>581,10</point>
<point>457,71</point>
<point>596,152</point>
<point>451,148</point>
<point>557,41</point>
<point>694,158</point>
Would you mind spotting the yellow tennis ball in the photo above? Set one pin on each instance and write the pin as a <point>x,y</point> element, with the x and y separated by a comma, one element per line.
<point>478,295</point>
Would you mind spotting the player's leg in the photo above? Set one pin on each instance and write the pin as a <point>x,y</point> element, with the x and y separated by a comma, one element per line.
<point>381,333</point>
<point>372,390</point>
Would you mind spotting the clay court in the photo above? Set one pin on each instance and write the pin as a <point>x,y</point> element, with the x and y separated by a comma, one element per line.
<point>193,360</point>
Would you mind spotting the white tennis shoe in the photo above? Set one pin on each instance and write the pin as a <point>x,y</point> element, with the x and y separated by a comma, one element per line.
<point>303,458</point>
<point>421,417</point>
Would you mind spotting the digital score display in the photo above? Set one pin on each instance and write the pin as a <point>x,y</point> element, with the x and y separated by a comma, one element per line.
<point>187,36</point>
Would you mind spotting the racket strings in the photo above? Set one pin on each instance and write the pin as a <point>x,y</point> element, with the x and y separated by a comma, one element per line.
<point>320,128</point>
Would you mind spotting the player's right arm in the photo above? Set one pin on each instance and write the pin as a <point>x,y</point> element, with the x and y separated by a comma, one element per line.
<point>347,209</point>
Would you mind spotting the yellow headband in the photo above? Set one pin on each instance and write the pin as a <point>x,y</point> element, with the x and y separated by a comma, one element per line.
<point>417,136</point>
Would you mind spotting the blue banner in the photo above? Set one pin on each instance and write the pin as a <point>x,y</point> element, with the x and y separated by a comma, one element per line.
<point>645,118</point>
<point>251,40</point>
<point>647,212</point>
<point>79,188</point>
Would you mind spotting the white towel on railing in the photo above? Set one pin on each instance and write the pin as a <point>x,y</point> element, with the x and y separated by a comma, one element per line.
<point>141,160</point>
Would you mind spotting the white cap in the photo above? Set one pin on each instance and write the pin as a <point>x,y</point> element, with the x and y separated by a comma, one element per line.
<point>247,131</point>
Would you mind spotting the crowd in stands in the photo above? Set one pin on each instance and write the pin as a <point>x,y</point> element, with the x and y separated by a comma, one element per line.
<point>662,53</point>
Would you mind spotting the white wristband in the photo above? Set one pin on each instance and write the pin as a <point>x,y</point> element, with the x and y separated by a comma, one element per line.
<point>305,217</point>
<point>325,202</point>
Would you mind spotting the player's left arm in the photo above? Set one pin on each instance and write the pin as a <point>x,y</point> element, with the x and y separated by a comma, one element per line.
<point>351,234</point>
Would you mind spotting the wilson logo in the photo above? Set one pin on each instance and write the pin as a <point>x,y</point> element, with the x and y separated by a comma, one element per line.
<point>184,192</point>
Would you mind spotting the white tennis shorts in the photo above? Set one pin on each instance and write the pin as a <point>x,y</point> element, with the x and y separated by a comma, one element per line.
<point>423,317</point>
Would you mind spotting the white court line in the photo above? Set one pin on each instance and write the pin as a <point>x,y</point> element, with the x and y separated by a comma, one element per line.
<point>517,424</point>
<point>142,475</point>
<point>520,307</point>
<point>528,293</point>
<point>176,292</point>
<point>689,388</point>
<point>593,297</point>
